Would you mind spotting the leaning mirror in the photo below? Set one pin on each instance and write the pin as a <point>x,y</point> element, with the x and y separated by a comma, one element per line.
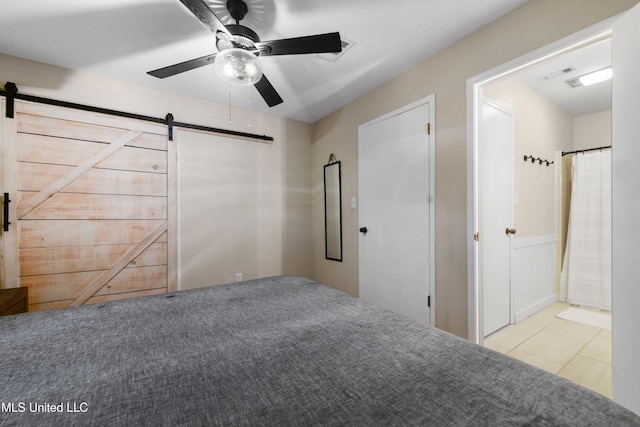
<point>332,212</point>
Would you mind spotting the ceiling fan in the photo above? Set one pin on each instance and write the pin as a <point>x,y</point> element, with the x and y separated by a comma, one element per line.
<point>239,46</point>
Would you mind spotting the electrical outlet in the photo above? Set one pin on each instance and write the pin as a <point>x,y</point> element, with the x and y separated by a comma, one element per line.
<point>238,277</point>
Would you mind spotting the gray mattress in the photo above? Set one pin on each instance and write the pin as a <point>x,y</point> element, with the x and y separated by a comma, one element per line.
<point>277,351</point>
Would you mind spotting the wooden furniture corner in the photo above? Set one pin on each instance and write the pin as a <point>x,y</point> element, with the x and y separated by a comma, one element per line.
<point>13,301</point>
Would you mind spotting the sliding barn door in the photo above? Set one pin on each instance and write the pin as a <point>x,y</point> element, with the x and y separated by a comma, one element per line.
<point>92,206</point>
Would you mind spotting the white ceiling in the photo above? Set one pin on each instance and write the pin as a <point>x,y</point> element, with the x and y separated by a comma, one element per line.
<point>123,39</point>
<point>577,101</point>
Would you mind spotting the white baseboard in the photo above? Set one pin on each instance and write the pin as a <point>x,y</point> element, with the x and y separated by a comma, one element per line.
<point>534,308</point>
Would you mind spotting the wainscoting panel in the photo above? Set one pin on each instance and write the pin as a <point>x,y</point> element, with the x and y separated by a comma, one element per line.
<point>533,274</point>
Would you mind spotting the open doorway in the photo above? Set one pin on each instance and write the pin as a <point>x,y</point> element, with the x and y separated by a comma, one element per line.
<point>553,114</point>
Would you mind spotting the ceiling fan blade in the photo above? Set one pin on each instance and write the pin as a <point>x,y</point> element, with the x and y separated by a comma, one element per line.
<point>268,92</point>
<point>172,70</point>
<point>200,9</point>
<point>319,43</point>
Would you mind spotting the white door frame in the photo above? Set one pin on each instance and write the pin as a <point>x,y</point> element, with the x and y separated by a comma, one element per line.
<point>474,99</point>
<point>431,100</point>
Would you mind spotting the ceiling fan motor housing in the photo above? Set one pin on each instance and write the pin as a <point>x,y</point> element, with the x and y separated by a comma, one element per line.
<point>243,37</point>
<point>237,9</point>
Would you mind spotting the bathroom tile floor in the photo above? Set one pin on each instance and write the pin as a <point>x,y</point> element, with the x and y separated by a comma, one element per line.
<point>578,352</point>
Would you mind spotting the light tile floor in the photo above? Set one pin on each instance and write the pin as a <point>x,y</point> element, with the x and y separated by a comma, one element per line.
<point>578,352</point>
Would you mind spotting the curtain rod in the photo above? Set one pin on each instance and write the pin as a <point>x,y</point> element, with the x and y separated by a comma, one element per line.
<point>564,153</point>
<point>11,93</point>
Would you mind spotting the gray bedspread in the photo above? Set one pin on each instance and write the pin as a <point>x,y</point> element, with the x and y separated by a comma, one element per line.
<point>279,351</point>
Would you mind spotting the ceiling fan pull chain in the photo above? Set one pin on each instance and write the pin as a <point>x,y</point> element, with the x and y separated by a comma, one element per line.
<point>249,104</point>
<point>229,103</point>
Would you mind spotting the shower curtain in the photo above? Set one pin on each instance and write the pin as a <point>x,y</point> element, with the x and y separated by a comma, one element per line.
<point>586,268</point>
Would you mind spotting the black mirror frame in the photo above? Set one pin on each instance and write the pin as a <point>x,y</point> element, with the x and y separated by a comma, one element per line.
<point>339,225</point>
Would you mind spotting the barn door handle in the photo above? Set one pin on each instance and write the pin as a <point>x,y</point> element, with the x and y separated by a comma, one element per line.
<point>5,216</point>
<point>363,230</point>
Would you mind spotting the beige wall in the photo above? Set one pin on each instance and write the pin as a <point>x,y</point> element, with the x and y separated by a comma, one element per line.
<point>245,207</point>
<point>592,131</point>
<point>541,129</point>
<point>296,175</point>
<point>532,26</point>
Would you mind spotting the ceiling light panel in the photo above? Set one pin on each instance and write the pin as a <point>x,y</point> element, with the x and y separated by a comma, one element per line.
<point>592,78</point>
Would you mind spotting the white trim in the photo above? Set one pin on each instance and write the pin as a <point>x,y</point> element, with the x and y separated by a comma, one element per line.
<point>426,100</point>
<point>534,308</point>
<point>431,101</point>
<point>625,226</point>
<point>474,87</point>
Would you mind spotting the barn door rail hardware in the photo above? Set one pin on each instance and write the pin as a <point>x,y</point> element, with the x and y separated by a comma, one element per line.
<point>11,93</point>
<point>538,159</point>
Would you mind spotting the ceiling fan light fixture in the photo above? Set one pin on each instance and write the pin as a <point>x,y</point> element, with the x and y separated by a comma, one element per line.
<point>238,67</point>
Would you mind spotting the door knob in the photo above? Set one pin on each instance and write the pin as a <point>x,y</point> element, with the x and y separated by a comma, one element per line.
<point>363,230</point>
<point>510,231</point>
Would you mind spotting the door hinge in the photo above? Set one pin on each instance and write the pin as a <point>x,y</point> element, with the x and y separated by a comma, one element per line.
<point>428,128</point>
<point>429,301</point>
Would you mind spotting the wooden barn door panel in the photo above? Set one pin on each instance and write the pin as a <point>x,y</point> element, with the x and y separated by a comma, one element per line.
<point>65,151</point>
<point>63,288</point>
<point>63,233</point>
<point>36,176</point>
<point>94,206</point>
<point>59,260</point>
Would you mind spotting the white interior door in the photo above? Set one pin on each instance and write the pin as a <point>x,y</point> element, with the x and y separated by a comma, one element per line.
<point>496,213</point>
<point>394,191</point>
